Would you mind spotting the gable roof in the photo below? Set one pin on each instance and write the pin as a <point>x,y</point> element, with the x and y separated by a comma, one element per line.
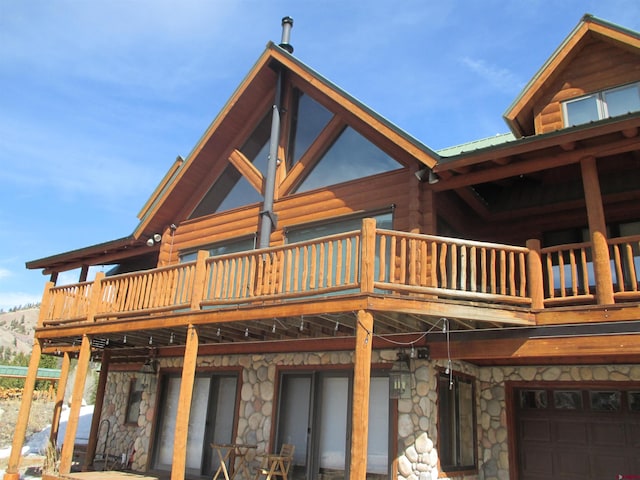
<point>519,115</point>
<point>252,97</point>
<point>186,177</point>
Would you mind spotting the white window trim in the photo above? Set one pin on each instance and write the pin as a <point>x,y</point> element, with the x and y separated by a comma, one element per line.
<point>601,102</point>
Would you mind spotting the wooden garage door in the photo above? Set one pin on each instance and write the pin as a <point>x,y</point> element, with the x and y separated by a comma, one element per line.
<point>578,433</point>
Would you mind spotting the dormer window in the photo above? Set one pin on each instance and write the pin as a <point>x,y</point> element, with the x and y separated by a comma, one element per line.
<point>600,105</point>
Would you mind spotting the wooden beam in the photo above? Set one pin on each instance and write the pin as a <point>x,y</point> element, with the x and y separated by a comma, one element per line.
<point>97,412</point>
<point>544,162</point>
<point>57,408</point>
<point>66,455</point>
<point>180,438</point>
<point>12,472</point>
<point>580,349</point>
<point>248,170</point>
<point>361,388</point>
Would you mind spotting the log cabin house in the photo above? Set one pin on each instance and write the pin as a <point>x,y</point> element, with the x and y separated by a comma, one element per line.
<point>312,275</point>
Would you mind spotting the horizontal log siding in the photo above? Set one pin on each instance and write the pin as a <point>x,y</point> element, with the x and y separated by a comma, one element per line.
<point>599,66</point>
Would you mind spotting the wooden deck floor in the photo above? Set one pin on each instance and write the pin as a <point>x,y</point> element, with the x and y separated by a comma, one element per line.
<point>106,475</point>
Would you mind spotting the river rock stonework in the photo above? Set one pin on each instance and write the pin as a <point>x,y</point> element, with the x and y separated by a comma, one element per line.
<point>417,457</point>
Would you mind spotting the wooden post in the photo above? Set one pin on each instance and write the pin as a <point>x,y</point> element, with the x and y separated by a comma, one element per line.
<point>597,231</point>
<point>96,294</point>
<point>57,409</point>
<point>12,472</point>
<point>199,279</point>
<point>184,405</point>
<point>368,255</point>
<point>97,412</point>
<point>361,388</point>
<point>534,274</point>
<point>66,455</point>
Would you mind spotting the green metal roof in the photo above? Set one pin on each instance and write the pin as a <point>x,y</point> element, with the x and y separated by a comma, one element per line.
<point>498,139</point>
<point>21,372</point>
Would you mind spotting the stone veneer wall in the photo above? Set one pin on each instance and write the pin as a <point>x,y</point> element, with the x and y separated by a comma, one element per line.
<point>123,437</point>
<point>417,417</point>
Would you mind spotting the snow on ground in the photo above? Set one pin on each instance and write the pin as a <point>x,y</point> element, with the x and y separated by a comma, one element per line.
<point>37,443</point>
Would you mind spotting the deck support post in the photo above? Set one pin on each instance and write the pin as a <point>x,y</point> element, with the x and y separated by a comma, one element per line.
<point>66,455</point>
<point>597,231</point>
<point>184,405</point>
<point>57,409</point>
<point>361,388</point>
<point>12,472</point>
<point>97,412</point>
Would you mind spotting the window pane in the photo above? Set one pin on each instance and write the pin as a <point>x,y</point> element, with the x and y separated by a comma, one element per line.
<point>309,118</point>
<point>634,401</point>
<point>622,100</point>
<point>334,398</point>
<point>378,439</point>
<point>567,400</point>
<point>467,456</point>
<point>351,157</point>
<point>533,399</point>
<point>581,111</point>
<point>605,401</point>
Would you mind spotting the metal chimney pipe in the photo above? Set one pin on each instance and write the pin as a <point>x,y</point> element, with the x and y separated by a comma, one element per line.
<point>287,24</point>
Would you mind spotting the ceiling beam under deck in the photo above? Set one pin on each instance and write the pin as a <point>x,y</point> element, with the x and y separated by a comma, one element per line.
<point>606,348</point>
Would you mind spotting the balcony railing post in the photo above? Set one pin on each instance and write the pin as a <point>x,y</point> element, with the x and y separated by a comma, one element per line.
<point>45,305</point>
<point>197,293</point>
<point>96,295</point>
<point>368,252</point>
<point>534,274</point>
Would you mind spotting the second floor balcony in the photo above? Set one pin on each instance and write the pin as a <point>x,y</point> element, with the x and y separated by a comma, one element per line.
<point>408,277</point>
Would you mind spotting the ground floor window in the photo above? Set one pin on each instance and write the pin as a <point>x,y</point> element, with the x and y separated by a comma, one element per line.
<point>456,422</point>
<point>212,420</point>
<point>314,414</point>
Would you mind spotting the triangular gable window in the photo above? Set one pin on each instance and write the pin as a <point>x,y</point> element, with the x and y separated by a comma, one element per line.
<point>308,120</point>
<point>350,157</point>
<point>232,190</point>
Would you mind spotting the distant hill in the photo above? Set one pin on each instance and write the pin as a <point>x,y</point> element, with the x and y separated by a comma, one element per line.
<point>16,331</point>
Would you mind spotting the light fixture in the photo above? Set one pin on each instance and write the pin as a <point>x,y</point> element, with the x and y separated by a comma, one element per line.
<point>155,238</point>
<point>149,367</point>
<point>400,377</point>
<point>426,174</point>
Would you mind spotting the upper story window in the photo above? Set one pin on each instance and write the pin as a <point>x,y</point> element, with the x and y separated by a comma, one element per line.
<point>600,105</point>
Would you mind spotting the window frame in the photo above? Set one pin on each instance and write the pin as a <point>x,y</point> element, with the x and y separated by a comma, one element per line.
<point>601,103</point>
<point>452,462</point>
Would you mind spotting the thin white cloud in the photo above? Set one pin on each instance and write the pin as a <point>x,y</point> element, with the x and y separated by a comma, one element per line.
<point>499,78</point>
<point>4,273</point>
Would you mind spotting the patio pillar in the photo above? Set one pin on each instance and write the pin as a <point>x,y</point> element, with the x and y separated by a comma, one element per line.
<point>597,231</point>
<point>361,387</point>
<point>12,472</point>
<point>97,411</point>
<point>184,405</point>
<point>57,409</point>
<point>66,455</point>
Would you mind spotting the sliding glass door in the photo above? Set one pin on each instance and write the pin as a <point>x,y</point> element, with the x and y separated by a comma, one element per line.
<point>314,415</point>
<point>213,414</point>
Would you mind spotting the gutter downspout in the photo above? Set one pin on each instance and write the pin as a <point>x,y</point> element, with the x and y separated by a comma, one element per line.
<point>268,218</point>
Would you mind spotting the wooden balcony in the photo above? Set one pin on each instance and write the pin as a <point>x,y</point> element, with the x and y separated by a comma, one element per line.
<point>410,278</point>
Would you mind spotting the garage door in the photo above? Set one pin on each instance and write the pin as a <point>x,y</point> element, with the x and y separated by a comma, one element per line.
<point>578,433</point>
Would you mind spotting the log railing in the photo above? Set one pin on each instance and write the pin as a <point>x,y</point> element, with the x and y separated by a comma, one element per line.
<point>450,267</point>
<point>368,261</point>
<point>568,273</point>
<point>625,258</point>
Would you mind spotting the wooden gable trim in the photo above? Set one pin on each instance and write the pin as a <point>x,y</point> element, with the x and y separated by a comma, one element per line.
<point>589,27</point>
<point>166,180</point>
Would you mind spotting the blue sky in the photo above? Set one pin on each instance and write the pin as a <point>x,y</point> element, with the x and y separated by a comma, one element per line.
<point>97,98</point>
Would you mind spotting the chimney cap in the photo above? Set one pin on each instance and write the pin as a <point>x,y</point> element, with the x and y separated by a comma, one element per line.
<point>287,24</point>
